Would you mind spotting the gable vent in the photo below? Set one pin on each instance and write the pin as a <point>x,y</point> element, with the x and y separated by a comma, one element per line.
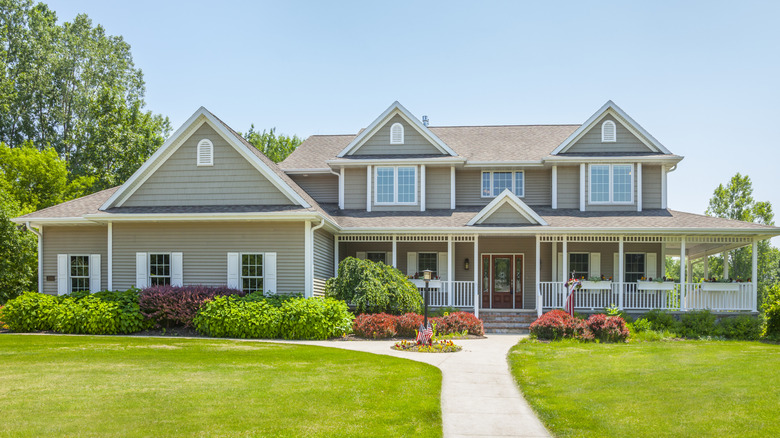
<point>608,132</point>
<point>205,153</point>
<point>397,134</point>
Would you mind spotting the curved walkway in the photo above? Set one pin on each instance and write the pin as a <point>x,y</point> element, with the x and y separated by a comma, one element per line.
<point>479,397</point>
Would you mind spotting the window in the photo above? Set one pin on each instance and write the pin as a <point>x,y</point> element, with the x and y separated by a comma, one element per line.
<point>252,272</point>
<point>159,269</point>
<point>79,273</point>
<point>608,132</point>
<point>397,134</point>
<point>635,267</point>
<point>428,260</point>
<point>611,184</point>
<point>205,153</point>
<point>578,263</point>
<point>376,257</point>
<point>493,183</point>
<point>396,185</point>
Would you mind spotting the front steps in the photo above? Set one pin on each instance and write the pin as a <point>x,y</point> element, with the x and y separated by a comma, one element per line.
<point>507,321</point>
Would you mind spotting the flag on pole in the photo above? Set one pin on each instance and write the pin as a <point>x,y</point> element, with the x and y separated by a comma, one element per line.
<point>424,334</point>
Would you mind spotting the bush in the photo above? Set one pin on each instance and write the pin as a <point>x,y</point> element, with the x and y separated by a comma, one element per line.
<point>740,327</point>
<point>314,318</point>
<point>275,300</point>
<point>607,328</point>
<point>408,324</point>
<point>660,320</point>
<point>2,324</point>
<point>172,306</point>
<point>557,324</point>
<point>129,316</point>
<point>29,312</point>
<point>641,325</point>
<point>373,288</point>
<point>459,322</point>
<point>88,315</point>
<point>232,317</point>
<point>697,323</point>
<point>772,314</point>
<point>375,326</point>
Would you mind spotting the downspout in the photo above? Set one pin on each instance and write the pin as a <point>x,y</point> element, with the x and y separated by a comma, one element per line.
<point>40,254</point>
<point>340,185</point>
<point>311,265</point>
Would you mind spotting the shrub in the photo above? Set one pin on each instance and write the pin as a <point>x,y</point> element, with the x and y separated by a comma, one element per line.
<point>231,317</point>
<point>172,306</point>
<point>641,325</point>
<point>408,324</point>
<point>459,322</point>
<point>660,320</point>
<point>29,312</point>
<point>2,324</point>
<point>275,300</point>
<point>129,316</point>
<point>314,318</point>
<point>557,324</point>
<point>87,315</point>
<point>375,326</point>
<point>740,327</point>
<point>697,323</point>
<point>373,288</point>
<point>607,328</point>
<point>772,314</point>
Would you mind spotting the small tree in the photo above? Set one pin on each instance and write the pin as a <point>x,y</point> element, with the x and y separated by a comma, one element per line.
<point>373,288</point>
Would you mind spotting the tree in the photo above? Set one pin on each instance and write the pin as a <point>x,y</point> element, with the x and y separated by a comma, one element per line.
<point>18,250</point>
<point>277,148</point>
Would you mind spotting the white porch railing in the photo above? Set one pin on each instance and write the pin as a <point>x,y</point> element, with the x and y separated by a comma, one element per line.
<point>450,293</point>
<point>721,296</point>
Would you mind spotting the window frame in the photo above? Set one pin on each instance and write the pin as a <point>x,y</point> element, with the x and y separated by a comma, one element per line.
<point>513,189</point>
<point>392,127</point>
<point>395,185</point>
<point>204,141</point>
<point>611,200</point>
<point>70,273</point>
<point>149,269</point>
<point>587,270</point>
<point>614,132</point>
<point>241,275</point>
<point>625,266</point>
<point>384,255</point>
<point>435,272</point>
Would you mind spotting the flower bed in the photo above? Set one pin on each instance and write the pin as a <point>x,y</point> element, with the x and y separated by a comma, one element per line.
<point>443,346</point>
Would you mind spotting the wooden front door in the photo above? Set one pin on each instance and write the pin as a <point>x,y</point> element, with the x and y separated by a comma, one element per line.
<point>502,281</point>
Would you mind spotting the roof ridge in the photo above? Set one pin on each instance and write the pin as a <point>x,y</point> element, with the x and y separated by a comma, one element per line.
<point>507,125</point>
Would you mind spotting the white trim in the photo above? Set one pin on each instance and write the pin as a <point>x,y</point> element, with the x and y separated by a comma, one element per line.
<point>605,138</point>
<point>754,274</point>
<point>611,184</point>
<point>110,256</point>
<point>537,275</point>
<point>630,124</point>
<point>453,201</point>
<point>492,173</point>
<point>209,160</point>
<point>507,197</point>
<point>392,110</point>
<point>394,261</point>
<point>554,188</point>
<point>638,187</point>
<point>393,128</point>
<point>233,270</point>
<point>477,264</point>
<point>582,187</point>
<point>647,159</point>
<point>308,260</point>
<point>422,187</point>
<point>524,163</point>
<point>368,188</point>
<point>335,255</point>
<point>149,267</point>
<point>663,187</point>
<point>341,188</point>
<point>177,269</point>
<point>360,162</point>
<point>621,271</point>
<point>63,274</point>
<point>314,170</point>
<point>395,186</point>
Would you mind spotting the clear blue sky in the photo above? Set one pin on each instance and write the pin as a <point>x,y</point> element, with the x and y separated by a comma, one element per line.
<point>702,77</point>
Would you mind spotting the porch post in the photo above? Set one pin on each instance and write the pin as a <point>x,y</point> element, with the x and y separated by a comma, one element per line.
<point>395,253</point>
<point>726,265</point>
<point>706,266</point>
<point>536,278</point>
<point>663,259</point>
<point>690,270</point>
<point>477,267</point>
<point>450,269</point>
<point>683,282</point>
<point>754,277</point>
<point>335,255</point>
<point>565,259</point>
<point>621,272</point>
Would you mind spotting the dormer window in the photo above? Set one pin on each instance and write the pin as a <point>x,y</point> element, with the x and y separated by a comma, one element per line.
<point>397,134</point>
<point>205,153</point>
<point>608,134</point>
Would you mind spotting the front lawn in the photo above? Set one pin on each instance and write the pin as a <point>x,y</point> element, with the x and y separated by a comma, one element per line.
<point>124,386</point>
<point>690,388</point>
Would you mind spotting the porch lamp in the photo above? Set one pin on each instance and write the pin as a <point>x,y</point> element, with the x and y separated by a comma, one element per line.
<point>466,264</point>
<point>426,278</point>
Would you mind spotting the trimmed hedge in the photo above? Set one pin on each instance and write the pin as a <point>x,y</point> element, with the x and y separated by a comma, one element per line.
<point>315,318</point>
<point>30,312</point>
<point>458,322</point>
<point>557,324</point>
<point>173,306</point>
<point>375,325</point>
<point>382,325</point>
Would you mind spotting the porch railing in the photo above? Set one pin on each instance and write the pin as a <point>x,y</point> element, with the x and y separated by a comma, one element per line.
<point>450,293</point>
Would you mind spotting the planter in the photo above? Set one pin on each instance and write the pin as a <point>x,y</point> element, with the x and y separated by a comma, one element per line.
<point>720,287</point>
<point>655,286</point>
<point>433,284</point>
<point>596,285</point>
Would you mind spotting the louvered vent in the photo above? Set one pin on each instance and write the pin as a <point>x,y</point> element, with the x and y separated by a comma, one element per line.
<point>205,153</point>
<point>397,134</point>
<point>608,131</point>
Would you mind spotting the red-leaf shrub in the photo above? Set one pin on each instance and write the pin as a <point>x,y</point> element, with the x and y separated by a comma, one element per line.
<point>557,324</point>
<point>457,322</point>
<point>607,328</point>
<point>407,324</point>
<point>376,326</point>
<point>172,306</point>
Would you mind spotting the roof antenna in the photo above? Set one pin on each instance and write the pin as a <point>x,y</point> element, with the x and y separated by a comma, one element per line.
<point>425,121</point>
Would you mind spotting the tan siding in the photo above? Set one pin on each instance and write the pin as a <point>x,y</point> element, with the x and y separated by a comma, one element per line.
<point>651,187</point>
<point>232,180</point>
<point>323,188</point>
<point>538,187</point>
<point>323,260</point>
<point>468,188</point>
<point>506,214</point>
<point>75,240</point>
<point>568,187</point>
<point>355,189</point>
<point>463,251</point>
<point>516,245</point>
<point>379,143</point>
<point>591,141</point>
<point>437,187</point>
<point>205,247</point>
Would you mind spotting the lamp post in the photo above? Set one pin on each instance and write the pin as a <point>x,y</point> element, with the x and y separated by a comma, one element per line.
<point>426,279</point>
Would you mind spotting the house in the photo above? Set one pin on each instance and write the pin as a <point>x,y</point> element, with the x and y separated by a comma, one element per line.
<point>502,215</point>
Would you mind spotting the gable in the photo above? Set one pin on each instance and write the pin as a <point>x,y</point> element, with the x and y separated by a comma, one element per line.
<point>232,180</point>
<point>507,208</point>
<point>414,142</point>
<point>506,214</point>
<point>626,142</point>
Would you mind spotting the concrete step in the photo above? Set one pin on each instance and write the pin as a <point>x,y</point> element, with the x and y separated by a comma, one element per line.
<point>508,318</point>
<point>512,331</point>
<point>506,324</point>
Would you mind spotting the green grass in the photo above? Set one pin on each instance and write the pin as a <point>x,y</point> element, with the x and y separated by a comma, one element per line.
<point>685,389</point>
<point>124,386</point>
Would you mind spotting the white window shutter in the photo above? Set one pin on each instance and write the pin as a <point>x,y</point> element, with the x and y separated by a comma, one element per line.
<point>205,153</point>
<point>616,267</point>
<point>411,263</point>
<point>62,274</point>
<point>233,267</point>
<point>389,258</point>
<point>594,264</point>
<point>269,272</point>
<point>141,265</point>
<point>443,267</point>
<point>360,255</point>
<point>177,268</point>
<point>94,273</point>
<point>560,268</point>
<point>651,265</point>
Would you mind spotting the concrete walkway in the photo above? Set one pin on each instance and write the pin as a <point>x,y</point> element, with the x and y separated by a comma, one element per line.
<point>479,397</point>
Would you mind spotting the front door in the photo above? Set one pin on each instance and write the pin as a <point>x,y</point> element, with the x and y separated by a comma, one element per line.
<point>502,280</point>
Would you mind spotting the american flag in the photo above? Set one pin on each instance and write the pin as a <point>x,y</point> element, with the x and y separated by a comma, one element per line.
<point>424,334</point>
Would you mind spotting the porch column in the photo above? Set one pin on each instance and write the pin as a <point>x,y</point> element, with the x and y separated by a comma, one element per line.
<point>395,253</point>
<point>663,260</point>
<point>683,283</point>
<point>536,278</point>
<point>754,275</point>
<point>706,266</point>
<point>450,269</point>
<point>621,272</point>
<point>565,259</point>
<point>335,255</point>
<point>690,270</point>
<point>368,188</point>
<point>726,265</point>
<point>477,267</point>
